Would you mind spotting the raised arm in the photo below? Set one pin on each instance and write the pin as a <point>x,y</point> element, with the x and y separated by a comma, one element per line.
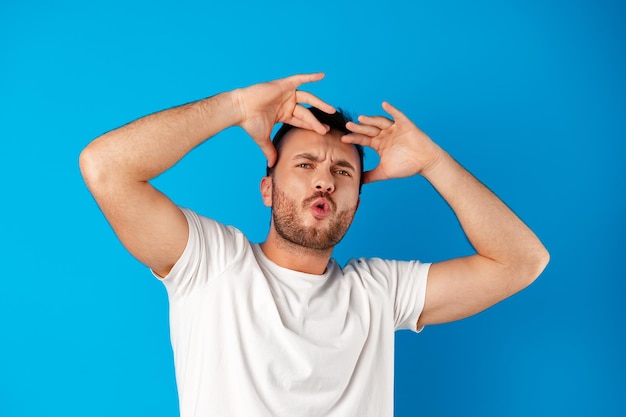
<point>118,166</point>
<point>509,256</point>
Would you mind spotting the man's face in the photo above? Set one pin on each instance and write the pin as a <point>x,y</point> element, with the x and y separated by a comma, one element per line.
<point>314,189</point>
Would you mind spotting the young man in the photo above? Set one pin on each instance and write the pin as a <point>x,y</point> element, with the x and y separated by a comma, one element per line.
<point>279,329</point>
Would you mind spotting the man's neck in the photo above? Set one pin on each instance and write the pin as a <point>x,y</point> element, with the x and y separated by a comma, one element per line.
<point>295,257</point>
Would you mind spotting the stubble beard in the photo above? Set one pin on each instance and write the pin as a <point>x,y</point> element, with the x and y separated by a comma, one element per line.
<point>290,227</point>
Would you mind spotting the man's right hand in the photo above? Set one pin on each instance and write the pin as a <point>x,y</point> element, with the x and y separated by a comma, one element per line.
<point>263,105</point>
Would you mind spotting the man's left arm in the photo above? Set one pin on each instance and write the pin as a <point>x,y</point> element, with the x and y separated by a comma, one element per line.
<point>509,256</point>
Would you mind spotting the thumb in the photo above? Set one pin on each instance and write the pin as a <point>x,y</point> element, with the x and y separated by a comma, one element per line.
<point>268,149</point>
<point>375,174</point>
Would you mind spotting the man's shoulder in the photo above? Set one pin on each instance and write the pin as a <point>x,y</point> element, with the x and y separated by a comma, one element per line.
<point>367,268</point>
<point>207,224</point>
<point>361,264</point>
<point>380,269</point>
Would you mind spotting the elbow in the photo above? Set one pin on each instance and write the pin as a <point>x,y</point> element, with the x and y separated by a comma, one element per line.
<point>87,164</point>
<point>534,265</point>
<point>92,167</point>
<point>542,260</point>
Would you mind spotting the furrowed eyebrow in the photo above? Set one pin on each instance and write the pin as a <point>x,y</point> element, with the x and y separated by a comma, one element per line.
<point>314,158</point>
<point>345,164</point>
<point>307,156</point>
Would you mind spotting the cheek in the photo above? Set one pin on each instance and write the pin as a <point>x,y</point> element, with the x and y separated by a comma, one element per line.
<point>349,201</point>
<point>293,185</point>
<point>291,190</point>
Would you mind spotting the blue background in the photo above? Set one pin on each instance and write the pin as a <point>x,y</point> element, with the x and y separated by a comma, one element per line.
<point>529,95</point>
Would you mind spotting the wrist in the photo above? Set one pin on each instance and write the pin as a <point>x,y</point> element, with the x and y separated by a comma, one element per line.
<point>237,102</point>
<point>214,114</point>
<point>438,166</point>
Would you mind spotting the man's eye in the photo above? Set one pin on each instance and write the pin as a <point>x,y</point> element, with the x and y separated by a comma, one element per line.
<point>343,172</point>
<point>304,165</point>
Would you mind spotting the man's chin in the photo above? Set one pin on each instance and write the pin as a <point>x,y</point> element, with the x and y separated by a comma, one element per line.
<point>318,223</point>
<point>312,238</point>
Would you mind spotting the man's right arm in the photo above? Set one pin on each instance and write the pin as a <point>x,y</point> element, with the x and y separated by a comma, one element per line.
<point>118,166</point>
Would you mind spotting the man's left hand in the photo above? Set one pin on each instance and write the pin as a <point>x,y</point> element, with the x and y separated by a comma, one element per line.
<point>403,148</point>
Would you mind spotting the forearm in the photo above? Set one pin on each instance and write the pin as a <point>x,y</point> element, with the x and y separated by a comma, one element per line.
<point>492,228</point>
<point>149,146</point>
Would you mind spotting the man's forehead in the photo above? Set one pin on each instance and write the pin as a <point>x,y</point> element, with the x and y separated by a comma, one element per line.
<point>299,141</point>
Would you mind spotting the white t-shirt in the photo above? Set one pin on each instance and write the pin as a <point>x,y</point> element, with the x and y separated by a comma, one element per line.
<point>251,338</point>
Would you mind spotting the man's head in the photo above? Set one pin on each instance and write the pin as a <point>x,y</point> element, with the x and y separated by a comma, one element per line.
<point>336,121</point>
<point>314,186</point>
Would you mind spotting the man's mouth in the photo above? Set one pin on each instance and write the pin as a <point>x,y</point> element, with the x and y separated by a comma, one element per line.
<point>321,207</point>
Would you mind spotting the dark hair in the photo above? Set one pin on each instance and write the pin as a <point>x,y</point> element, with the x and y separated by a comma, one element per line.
<point>337,121</point>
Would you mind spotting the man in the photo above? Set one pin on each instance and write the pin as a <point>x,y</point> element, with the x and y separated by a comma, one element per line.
<point>279,329</point>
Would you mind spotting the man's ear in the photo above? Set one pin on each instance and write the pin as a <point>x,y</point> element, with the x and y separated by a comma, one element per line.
<point>266,191</point>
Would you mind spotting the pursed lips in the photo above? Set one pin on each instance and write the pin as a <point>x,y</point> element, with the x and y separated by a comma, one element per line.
<point>320,205</point>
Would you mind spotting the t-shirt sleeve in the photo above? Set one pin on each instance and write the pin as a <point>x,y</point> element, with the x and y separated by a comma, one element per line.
<point>211,248</point>
<point>405,284</point>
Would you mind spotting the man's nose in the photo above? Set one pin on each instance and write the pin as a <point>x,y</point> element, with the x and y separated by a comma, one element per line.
<point>325,182</point>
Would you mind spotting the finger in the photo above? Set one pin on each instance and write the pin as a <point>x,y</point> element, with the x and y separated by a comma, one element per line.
<point>374,175</point>
<point>363,129</point>
<point>293,121</point>
<point>357,139</point>
<point>299,79</point>
<point>308,98</point>
<point>306,117</point>
<point>393,111</point>
<point>380,122</point>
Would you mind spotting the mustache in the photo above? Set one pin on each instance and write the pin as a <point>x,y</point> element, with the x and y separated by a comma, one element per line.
<point>320,194</point>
